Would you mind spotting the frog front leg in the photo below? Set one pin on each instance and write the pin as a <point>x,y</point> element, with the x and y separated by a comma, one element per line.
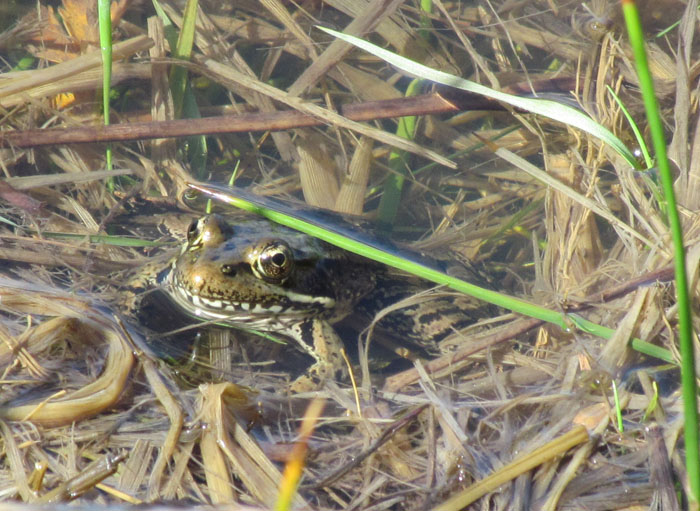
<point>318,338</point>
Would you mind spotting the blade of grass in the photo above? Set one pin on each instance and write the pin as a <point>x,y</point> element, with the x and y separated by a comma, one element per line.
<point>295,466</point>
<point>648,160</point>
<point>653,402</point>
<point>564,321</point>
<point>118,241</point>
<point>183,51</point>
<point>547,108</point>
<point>426,26</point>
<point>685,329</point>
<point>635,129</point>
<point>398,162</point>
<point>168,27</point>
<point>618,408</point>
<point>105,28</point>
<point>183,97</point>
<point>386,257</point>
<point>606,333</point>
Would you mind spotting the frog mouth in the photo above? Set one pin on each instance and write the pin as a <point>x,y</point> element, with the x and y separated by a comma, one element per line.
<point>289,304</point>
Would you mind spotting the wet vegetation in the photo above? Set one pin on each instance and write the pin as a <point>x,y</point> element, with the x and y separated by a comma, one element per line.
<point>110,395</point>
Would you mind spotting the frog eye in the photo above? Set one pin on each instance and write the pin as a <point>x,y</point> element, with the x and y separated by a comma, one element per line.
<point>275,261</point>
<point>193,231</point>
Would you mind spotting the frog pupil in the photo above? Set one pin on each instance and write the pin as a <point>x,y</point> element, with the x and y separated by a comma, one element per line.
<point>279,259</point>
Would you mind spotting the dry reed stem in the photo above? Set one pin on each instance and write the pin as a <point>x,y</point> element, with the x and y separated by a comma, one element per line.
<point>354,182</point>
<point>227,74</point>
<point>12,90</point>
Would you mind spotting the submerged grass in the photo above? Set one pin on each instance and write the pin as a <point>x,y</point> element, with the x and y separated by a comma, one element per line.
<point>398,161</point>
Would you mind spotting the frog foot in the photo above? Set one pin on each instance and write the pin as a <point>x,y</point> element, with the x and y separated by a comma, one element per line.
<point>318,338</point>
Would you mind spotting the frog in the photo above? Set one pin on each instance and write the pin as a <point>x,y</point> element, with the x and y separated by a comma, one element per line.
<point>259,275</point>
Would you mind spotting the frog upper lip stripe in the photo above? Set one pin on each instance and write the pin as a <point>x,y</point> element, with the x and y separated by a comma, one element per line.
<point>229,307</point>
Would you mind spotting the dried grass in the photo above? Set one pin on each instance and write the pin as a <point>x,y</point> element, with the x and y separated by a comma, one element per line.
<point>82,390</point>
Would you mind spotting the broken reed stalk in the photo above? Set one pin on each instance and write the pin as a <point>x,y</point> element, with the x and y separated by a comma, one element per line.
<point>442,102</point>
<point>259,121</point>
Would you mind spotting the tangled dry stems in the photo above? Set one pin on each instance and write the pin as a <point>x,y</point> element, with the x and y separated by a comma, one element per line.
<point>96,392</point>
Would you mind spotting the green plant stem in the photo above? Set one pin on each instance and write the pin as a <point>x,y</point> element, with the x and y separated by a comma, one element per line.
<point>183,51</point>
<point>635,129</point>
<point>548,108</point>
<point>487,295</point>
<point>685,332</point>
<point>398,162</point>
<point>426,26</point>
<point>184,100</point>
<point>105,28</point>
<point>564,321</point>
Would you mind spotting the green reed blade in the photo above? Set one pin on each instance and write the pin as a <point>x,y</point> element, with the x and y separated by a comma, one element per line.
<point>685,328</point>
<point>105,29</point>
<point>398,162</point>
<point>548,108</point>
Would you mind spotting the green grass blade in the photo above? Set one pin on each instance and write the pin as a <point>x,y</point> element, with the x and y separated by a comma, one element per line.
<point>105,239</point>
<point>183,51</point>
<point>606,333</point>
<point>551,109</point>
<point>653,403</point>
<point>685,328</point>
<point>105,28</point>
<point>183,98</point>
<point>426,26</point>
<point>564,321</point>
<point>169,28</point>
<point>618,408</point>
<point>635,129</point>
<point>433,275</point>
<point>648,160</point>
<point>398,162</point>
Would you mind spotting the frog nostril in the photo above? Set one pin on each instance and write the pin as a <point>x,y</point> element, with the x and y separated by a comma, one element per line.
<point>228,269</point>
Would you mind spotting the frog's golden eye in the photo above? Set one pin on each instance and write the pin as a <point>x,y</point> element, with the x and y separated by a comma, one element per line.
<point>275,262</point>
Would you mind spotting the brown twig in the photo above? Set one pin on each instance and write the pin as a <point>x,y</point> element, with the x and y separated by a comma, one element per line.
<point>386,435</point>
<point>434,103</point>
